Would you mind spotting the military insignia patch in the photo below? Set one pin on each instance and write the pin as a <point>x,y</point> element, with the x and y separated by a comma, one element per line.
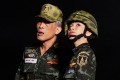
<point>30,53</point>
<point>46,8</point>
<point>82,58</point>
<point>30,56</point>
<point>30,60</point>
<point>72,64</point>
<point>71,70</point>
<point>52,62</point>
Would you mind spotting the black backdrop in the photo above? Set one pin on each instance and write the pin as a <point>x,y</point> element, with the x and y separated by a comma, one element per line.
<point>17,30</point>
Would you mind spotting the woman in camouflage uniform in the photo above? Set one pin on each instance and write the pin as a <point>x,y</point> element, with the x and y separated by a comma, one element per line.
<point>79,28</point>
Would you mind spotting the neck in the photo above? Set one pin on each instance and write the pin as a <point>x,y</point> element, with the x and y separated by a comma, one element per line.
<point>47,44</point>
<point>80,41</point>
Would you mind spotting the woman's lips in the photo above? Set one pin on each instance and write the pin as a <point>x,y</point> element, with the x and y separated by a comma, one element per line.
<point>71,33</point>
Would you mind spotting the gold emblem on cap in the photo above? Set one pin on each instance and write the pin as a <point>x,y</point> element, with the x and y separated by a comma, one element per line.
<point>46,8</point>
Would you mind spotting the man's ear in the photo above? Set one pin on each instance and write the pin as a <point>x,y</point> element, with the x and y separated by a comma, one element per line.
<point>58,29</point>
<point>88,33</point>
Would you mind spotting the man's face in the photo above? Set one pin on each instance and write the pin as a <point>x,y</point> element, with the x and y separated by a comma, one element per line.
<point>46,31</point>
<point>75,28</point>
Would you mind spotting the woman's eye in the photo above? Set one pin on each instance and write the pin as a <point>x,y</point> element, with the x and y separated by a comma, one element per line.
<point>70,25</point>
<point>78,25</point>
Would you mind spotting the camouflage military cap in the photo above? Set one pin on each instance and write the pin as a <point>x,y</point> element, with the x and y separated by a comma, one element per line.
<point>85,18</point>
<point>50,13</point>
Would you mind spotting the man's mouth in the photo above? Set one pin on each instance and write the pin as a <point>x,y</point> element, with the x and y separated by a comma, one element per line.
<point>40,33</point>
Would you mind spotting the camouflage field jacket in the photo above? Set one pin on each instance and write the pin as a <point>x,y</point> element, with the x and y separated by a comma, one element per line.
<point>37,67</point>
<point>82,65</point>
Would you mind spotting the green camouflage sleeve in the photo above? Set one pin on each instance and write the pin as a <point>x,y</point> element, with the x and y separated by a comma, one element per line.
<point>86,66</point>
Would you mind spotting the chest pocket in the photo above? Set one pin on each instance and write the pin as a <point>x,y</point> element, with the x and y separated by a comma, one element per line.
<point>48,64</point>
<point>30,59</point>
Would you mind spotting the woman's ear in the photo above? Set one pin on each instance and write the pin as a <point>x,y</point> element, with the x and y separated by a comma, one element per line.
<point>88,33</point>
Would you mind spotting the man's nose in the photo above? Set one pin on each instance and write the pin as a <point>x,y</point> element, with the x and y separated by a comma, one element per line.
<point>40,25</point>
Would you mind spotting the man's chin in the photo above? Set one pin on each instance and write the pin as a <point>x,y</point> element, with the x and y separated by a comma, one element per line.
<point>40,39</point>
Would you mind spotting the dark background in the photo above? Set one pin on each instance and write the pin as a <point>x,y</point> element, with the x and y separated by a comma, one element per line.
<point>17,30</point>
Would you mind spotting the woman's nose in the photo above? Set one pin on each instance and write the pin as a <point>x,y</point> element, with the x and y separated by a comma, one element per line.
<point>71,28</point>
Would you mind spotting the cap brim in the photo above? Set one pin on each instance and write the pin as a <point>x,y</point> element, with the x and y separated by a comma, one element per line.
<point>40,18</point>
<point>71,21</point>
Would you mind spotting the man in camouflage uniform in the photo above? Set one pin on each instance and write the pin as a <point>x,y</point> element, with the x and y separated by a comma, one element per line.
<point>80,27</point>
<point>41,63</point>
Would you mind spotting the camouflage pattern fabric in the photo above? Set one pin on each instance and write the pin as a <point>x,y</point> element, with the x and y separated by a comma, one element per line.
<point>36,67</point>
<point>83,64</point>
<point>50,13</point>
<point>84,17</point>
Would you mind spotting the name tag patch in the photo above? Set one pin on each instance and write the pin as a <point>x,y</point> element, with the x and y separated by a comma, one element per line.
<point>30,60</point>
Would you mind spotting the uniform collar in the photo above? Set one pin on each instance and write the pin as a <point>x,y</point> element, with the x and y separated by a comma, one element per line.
<point>80,47</point>
<point>52,48</point>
